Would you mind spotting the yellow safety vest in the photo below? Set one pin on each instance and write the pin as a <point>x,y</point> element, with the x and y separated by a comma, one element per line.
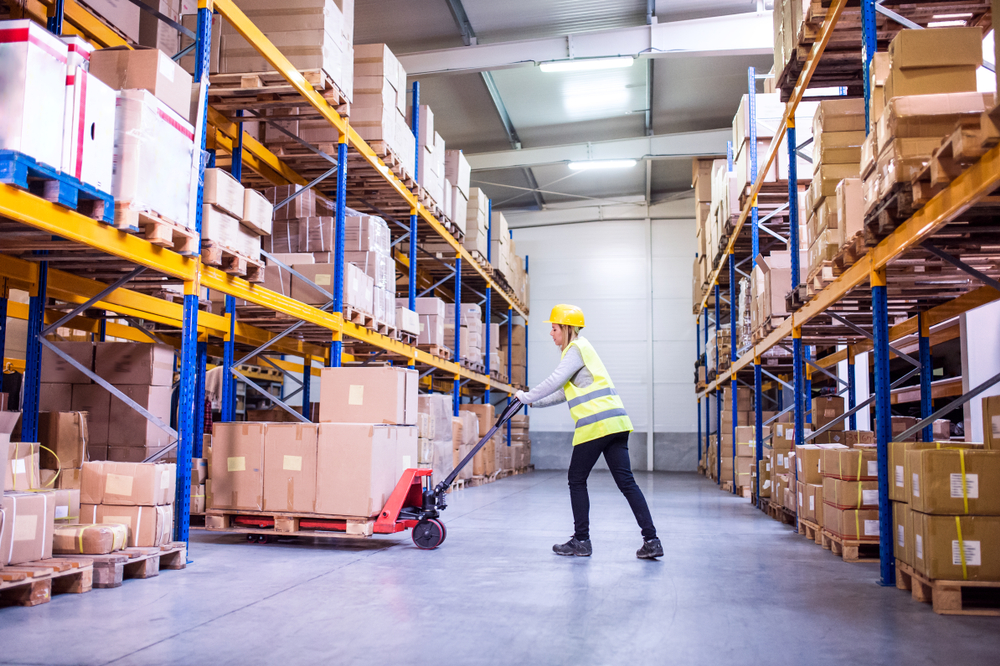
<point>597,409</point>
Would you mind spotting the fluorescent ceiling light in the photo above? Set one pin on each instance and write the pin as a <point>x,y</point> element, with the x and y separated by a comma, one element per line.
<point>586,64</point>
<point>946,24</point>
<point>601,164</point>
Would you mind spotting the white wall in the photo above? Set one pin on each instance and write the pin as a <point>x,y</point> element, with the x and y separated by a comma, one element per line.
<point>604,267</point>
<point>980,330</point>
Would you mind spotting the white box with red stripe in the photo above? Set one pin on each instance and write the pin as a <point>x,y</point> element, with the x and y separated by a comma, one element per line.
<point>32,91</point>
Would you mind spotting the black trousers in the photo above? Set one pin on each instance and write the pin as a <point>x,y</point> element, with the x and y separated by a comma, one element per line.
<point>615,450</point>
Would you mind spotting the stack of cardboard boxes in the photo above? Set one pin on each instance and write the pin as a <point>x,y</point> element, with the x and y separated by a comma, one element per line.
<point>368,247</point>
<point>63,437</point>
<point>927,82</point>
<point>378,107</point>
<point>233,217</point>
<point>519,450</point>
<point>432,313</point>
<point>431,148</point>
<point>701,183</point>
<point>138,495</point>
<point>477,222</point>
<point>345,465</point>
<point>464,436</point>
<point>473,331</point>
<point>438,410</point>
<point>518,354</point>
<point>838,131</point>
<point>484,463</point>
<point>458,173</point>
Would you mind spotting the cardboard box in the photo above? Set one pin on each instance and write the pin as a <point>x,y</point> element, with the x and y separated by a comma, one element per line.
<point>954,481</point>
<point>64,436</point>
<point>850,464</point>
<point>407,449</point>
<point>224,192</point>
<point>290,467</point>
<point>237,466</point>
<point>850,524</point>
<point>157,34</point>
<point>28,521</point>
<point>850,494</point>
<point>128,484</point>
<point>122,14</point>
<point>69,479</point>
<point>937,48</point>
<point>825,409</point>
<point>132,429</point>
<point>198,498</point>
<point>991,422</point>
<point>199,469</point>
<point>125,68</point>
<point>89,539</point>
<point>257,212</point>
<point>322,275</point>
<point>67,502</point>
<point>135,363</point>
<point>148,526</point>
<point>95,400</point>
<point>899,473</point>
<point>432,331</point>
<point>903,529</point>
<point>356,465</point>
<point>810,498</point>
<point>22,470</point>
<point>809,462</point>
<point>56,370</point>
<point>937,80</point>
<point>56,397</point>
<point>956,547</point>
<point>369,395</point>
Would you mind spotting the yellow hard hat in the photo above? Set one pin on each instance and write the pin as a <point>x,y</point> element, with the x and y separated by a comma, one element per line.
<point>569,315</point>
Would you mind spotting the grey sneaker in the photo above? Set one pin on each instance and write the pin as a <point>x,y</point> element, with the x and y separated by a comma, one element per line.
<point>650,550</point>
<point>574,547</point>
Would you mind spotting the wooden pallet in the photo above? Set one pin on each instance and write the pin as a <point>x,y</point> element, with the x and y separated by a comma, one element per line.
<point>406,338</point>
<point>392,161</point>
<point>156,229</point>
<point>231,262</point>
<point>475,367</point>
<point>969,141</point>
<point>34,583</point>
<point>477,480</point>
<point>457,484</point>
<point>358,317</point>
<point>435,350</point>
<point>850,252</point>
<point>950,597</point>
<point>821,277</point>
<point>288,524</point>
<point>849,551</point>
<point>779,512</point>
<point>499,376</point>
<point>29,174</point>
<point>110,570</point>
<point>263,91</point>
<point>810,530</point>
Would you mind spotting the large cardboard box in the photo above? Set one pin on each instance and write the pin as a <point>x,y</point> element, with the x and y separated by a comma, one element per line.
<point>809,461</point>
<point>954,482</point>
<point>148,526</point>
<point>368,395</point>
<point>858,464</point>
<point>56,397</point>
<point>810,498</point>
<point>356,468</point>
<point>8,421</point>
<point>903,531</point>
<point>850,494</point>
<point>931,81</point>
<point>851,524</point>
<point>322,275</point>
<point>825,409</point>
<point>67,503</point>
<point>991,422</point>
<point>128,484</point>
<point>89,539</point>
<point>64,438</point>
<point>125,68</point>
<point>122,14</point>
<point>290,467</point>
<point>132,429</point>
<point>237,466</point>
<point>485,414</point>
<point>95,400</point>
<point>28,521</point>
<point>55,369</point>
<point>956,547</point>
<point>407,449</point>
<point>224,192</point>
<point>937,48</point>
<point>900,474</point>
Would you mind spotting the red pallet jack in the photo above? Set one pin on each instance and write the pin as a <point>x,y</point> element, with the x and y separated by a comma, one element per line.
<point>410,506</point>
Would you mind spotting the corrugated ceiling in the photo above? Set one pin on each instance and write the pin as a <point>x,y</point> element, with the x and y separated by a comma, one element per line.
<point>524,19</point>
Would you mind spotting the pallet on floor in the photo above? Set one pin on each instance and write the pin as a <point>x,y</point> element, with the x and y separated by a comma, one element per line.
<point>110,570</point>
<point>810,530</point>
<point>287,524</point>
<point>849,550</point>
<point>157,230</point>
<point>60,188</point>
<point>231,262</point>
<point>34,583</point>
<point>950,597</point>
<point>778,511</point>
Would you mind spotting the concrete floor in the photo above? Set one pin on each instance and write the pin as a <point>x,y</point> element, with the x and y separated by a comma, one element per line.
<point>733,587</point>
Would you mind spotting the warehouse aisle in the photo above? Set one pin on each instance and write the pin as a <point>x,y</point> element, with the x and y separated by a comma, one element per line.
<point>729,588</point>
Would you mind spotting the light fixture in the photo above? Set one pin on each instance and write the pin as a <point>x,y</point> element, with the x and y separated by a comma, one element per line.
<point>601,164</point>
<point>586,64</point>
<point>946,24</point>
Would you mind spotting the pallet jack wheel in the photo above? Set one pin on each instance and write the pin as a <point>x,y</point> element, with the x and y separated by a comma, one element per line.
<point>429,534</point>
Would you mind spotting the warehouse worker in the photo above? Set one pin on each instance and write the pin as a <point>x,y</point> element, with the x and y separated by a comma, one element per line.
<point>602,426</point>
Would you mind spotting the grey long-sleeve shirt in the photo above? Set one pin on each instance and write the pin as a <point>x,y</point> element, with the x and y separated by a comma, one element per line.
<point>550,392</point>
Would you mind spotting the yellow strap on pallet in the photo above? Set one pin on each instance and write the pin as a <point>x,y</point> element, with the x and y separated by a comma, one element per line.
<point>961,547</point>
<point>965,488</point>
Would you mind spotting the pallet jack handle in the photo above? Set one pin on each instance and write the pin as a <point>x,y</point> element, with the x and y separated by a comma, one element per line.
<point>509,411</point>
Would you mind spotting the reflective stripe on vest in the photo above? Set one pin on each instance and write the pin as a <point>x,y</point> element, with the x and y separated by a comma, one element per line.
<point>597,409</point>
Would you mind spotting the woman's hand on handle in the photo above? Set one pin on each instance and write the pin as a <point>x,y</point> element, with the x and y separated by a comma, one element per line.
<point>522,397</point>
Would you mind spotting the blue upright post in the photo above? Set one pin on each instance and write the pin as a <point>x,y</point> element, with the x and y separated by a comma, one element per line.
<point>102,330</point>
<point>236,168</point>
<point>228,358</point>
<point>412,273</point>
<point>510,356</point>
<point>733,325</point>
<point>852,390</point>
<point>869,44</point>
<point>752,126</point>
<point>526,382</point>
<point>798,382</point>
<point>201,359</point>
<point>307,362</point>
<point>926,376</point>
<point>793,205</point>
<point>807,390</point>
<point>457,356</point>
<point>697,346</point>
<point>415,126</point>
<point>3,324</point>
<point>189,326</point>
<point>718,392</point>
<point>758,420</point>
<point>54,25</point>
<point>337,347</point>
<point>883,424</point>
<point>489,302</point>
<point>33,357</point>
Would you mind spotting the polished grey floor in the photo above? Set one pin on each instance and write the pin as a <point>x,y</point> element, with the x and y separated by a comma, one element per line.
<point>734,587</point>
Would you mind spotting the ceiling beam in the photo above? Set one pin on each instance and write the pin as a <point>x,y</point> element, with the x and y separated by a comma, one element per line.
<point>738,34</point>
<point>688,144</point>
<point>621,209</point>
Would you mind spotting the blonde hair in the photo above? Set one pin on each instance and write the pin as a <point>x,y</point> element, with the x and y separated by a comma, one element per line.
<point>570,333</point>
